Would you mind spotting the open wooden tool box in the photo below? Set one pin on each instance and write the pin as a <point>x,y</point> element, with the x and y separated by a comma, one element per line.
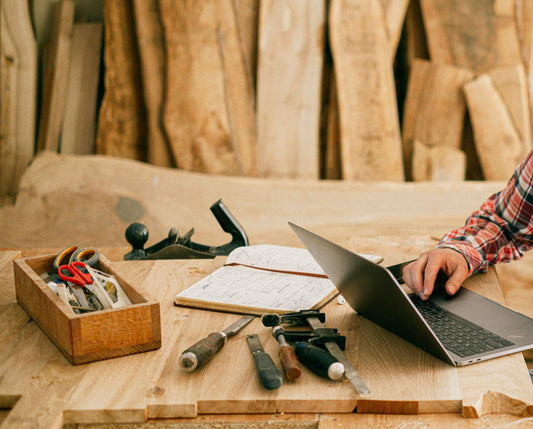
<point>93,336</point>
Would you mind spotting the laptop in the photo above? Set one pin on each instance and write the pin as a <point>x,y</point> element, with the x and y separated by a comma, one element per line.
<point>460,329</point>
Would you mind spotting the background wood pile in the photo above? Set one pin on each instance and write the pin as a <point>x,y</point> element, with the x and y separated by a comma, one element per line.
<point>360,90</point>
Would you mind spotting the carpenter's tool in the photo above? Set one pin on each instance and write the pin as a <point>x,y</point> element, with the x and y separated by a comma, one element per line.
<point>315,323</point>
<point>202,351</point>
<point>319,361</point>
<point>269,375</point>
<point>181,247</point>
<point>288,358</point>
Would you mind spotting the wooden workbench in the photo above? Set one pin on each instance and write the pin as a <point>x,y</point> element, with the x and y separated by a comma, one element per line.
<point>42,389</point>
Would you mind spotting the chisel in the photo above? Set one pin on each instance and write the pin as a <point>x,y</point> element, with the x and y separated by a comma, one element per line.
<point>199,353</point>
<point>268,373</point>
<point>319,361</point>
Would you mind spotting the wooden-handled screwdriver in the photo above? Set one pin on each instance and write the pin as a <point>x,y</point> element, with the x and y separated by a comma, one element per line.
<point>199,353</point>
<point>289,361</point>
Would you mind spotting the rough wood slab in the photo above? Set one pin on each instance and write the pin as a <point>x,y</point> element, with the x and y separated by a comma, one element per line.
<point>123,191</point>
<point>79,124</point>
<point>291,53</point>
<point>122,118</point>
<point>480,37</point>
<point>151,42</point>
<point>211,127</point>
<point>502,132</point>
<point>56,74</point>
<point>369,125</point>
<point>434,112</point>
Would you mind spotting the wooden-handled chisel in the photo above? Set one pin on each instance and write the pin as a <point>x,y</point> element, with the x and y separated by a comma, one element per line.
<point>199,353</point>
<point>268,373</point>
<point>287,356</point>
<point>319,361</point>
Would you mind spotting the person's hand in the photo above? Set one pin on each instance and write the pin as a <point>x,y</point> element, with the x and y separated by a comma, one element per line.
<point>421,274</point>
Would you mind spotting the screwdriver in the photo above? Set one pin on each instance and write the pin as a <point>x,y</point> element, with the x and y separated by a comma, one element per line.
<point>202,351</point>
<point>319,361</point>
<point>267,372</point>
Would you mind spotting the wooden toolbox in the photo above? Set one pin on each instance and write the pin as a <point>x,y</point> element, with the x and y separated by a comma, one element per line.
<point>90,336</point>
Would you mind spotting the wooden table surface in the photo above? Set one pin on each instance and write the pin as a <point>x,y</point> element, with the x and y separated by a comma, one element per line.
<point>39,388</point>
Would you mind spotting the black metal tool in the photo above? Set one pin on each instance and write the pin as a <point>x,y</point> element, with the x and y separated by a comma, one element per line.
<point>202,351</point>
<point>319,361</point>
<point>181,247</point>
<point>287,356</point>
<point>314,320</point>
<point>269,375</point>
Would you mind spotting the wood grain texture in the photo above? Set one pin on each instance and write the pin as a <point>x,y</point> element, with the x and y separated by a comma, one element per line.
<point>247,16</point>
<point>122,117</point>
<point>291,53</point>
<point>151,42</point>
<point>395,13</point>
<point>499,144</point>
<point>369,125</point>
<point>209,108</point>
<point>152,384</point>
<point>434,114</point>
<point>438,163</point>
<point>17,146</point>
<point>478,37</point>
<point>56,74</point>
<point>78,133</point>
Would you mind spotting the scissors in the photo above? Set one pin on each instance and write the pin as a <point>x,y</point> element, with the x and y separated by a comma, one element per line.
<point>76,273</point>
<point>87,255</point>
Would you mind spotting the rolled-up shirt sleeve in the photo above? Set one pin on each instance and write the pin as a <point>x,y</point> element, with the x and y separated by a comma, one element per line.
<point>501,230</point>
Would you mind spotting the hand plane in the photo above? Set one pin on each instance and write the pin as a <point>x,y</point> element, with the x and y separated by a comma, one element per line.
<point>181,247</point>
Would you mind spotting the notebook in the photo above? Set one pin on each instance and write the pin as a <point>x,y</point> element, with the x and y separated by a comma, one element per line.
<point>460,329</point>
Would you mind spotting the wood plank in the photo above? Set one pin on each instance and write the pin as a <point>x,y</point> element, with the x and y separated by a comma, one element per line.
<point>511,84</point>
<point>122,118</point>
<point>291,52</point>
<point>8,110</point>
<point>497,138</point>
<point>395,13</point>
<point>438,163</point>
<point>434,114</point>
<point>150,38</point>
<point>369,126</point>
<point>209,114</point>
<point>480,37</point>
<point>56,74</point>
<point>247,15</point>
<point>18,25</point>
<point>78,132</point>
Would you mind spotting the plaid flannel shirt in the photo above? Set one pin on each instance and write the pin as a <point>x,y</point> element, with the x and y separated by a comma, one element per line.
<point>502,229</point>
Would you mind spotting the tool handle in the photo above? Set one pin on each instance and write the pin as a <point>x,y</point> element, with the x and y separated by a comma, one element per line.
<point>319,361</point>
<point>199,353</point>
<point>290,363</point>
<point>269,375</point>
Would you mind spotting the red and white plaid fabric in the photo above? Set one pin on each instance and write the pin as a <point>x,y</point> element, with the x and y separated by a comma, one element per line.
<point>502,229</point>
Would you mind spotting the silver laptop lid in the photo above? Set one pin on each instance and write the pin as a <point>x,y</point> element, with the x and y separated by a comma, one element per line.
<point>372,291</point>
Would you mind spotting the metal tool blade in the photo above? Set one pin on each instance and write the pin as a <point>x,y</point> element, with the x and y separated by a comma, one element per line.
<point>349,371</point>
<point>238,325</point>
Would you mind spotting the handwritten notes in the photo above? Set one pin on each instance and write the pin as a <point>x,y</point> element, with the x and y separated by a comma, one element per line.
<point>263,279</point>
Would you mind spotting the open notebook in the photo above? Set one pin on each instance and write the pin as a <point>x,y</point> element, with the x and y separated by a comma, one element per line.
<point>263,279</point>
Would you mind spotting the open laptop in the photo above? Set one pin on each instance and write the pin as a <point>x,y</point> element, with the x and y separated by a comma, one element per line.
<point>461,329</point>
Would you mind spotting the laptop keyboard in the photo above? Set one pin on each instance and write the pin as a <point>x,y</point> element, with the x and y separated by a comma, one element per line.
<point>458,335</point>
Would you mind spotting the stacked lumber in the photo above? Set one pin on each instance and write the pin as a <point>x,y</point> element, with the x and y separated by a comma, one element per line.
<point>359,90</point>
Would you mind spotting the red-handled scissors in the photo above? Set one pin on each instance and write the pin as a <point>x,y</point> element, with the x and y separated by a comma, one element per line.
<point>76,273</point>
